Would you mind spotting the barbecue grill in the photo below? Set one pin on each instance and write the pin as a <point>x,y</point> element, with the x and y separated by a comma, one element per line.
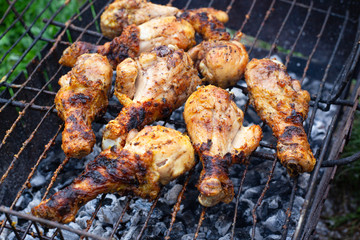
<point>319,43</point>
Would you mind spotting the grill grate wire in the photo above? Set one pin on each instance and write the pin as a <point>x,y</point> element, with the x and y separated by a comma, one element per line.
<point>333,99</point>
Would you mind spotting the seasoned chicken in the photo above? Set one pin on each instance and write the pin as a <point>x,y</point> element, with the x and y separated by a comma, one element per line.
<point>218,14</point>
<point>208,22</point>
<point>83,96</point>
<point>150,88</point>
<point>122,13</point>
<point>214,124</point>
<point>135,40</point>
<point>155,156</point>
<point>221,63</point>
<point>280,102</point>
<point>165,31</point>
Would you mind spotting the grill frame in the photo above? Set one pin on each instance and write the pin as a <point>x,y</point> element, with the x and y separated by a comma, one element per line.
<point>316,193</point>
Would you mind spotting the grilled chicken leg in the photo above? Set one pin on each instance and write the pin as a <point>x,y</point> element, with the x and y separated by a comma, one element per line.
<point>82,97</point>
<point>121,13</point>
<point>221,63</point>
<point>150,88</point>
<point>135,40</point>
<point>214,124</point>
<point>155,156</point>
<point>280,102</point>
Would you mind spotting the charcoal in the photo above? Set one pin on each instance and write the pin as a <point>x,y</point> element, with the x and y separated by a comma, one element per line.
<point>242,233</point>
<point>11,236</point>
<point>190,236</point>
<point>108,215</point>
<point>29,237</point>
<point>226,237</point>
<point>257,234</point>
<point>278,188</point>
<point>177,231</point>
<point>159,229</point>
<point>222,225</point>
<point>298,202</point>
<point>157,214</point>
<point>69,235</point>
<point>141,204</point>
<point>135,218</point>
<point>23,201</point>
<point>170,197</point>
<point>98,229</point>
<point>253,177</point>
<point>263,211</point>
<point>128,234</point>
<point>252,193</point>
<point>81,219</point>
<point>275,222</point>
<point>107,201</point>
<point>274,202</point>
<point>273,237</point>
<point>304,180</point>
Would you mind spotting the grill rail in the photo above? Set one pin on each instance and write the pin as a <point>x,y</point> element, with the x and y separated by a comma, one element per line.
<point>29,96</point>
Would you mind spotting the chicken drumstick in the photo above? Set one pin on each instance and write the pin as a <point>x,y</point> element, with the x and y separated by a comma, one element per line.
<point>214,124</point>
<point>280,102</point>
<point>83,96</point>
<point>155,156</point>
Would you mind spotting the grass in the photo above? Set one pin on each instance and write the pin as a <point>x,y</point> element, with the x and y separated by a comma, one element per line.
<point>29,17</point>
<point>260,44</point>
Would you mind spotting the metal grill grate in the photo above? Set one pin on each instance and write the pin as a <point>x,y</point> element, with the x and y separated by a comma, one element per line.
<point>317,41</point>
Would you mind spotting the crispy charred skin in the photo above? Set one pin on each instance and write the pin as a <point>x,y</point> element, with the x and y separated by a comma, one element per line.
<point>214,183</point>
<point>83,96</point>
<point>122,172</point>
<point>155,156</point>
<point>120,48</point>
<point>135,116</point>
<point>221,63</point>
<point>206,22</point>
<point>150,88</point>
<point>214,124</point>
<point>280,102</point>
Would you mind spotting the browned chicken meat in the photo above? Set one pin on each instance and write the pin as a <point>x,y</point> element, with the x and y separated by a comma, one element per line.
<point>208,22</point>
<point>155,156</point>
<point>83,96</point>
<point>150,88</point>
<point>221,63</point>
<point>122,13</point>
<point>280,102</point>
<point>127,45</point>
<point>135,40</point>
<point>214,124</point>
